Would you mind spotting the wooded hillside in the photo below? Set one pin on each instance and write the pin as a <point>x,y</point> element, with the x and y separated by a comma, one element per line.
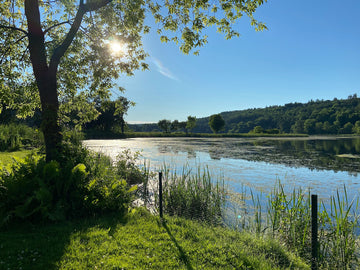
<point>337,116</point>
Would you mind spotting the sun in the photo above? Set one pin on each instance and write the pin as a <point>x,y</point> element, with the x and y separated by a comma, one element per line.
<point>117,48</point>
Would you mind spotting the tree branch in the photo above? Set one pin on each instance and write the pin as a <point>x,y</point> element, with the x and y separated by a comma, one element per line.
<point>55,25</point>
<point>95,5</point>
<point>61,49</point>
<point>9,48</point>
<point>14,28</point>
<point>36,38</point>
<point>83,8</point>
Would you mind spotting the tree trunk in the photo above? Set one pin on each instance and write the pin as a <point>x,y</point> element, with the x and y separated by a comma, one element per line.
<point>50,120</point>
<point>45,73</point>
<point>45,77</point>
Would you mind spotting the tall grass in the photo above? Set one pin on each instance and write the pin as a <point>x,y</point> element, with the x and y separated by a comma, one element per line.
<point>338,239</point>
<point>193,194</point>
<point>287,217</point>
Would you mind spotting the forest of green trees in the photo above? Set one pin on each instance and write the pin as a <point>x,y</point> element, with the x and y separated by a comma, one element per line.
<point>337,116</point>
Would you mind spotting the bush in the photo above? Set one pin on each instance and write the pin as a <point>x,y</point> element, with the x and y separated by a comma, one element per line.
<point>80,183</point>
<point>15,136</point>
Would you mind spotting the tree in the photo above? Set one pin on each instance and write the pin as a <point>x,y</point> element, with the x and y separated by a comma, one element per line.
<point>111,114</point>
<point>216,123</point>
<point>66,45</point>
<point>165,125</point>
<point>258,129</point>
<point>122,105</point>
<point>191,123</point>
<point>175,125</point>
<point>309,126</point>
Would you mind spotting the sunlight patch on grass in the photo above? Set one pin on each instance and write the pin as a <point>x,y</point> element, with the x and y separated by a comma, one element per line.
<point>8,158</point>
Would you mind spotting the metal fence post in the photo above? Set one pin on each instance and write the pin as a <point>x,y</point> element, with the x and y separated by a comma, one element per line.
<point>314,232</point>
<point>160,195</point>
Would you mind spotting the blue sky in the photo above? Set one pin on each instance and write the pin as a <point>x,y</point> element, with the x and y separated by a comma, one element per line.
<point>311,51</point>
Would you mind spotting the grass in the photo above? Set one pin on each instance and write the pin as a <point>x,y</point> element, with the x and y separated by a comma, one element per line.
<point>141,241</point>
<point>287,218</point>
<point>7,158</point>
<point>193,194</point>
<point>144,241</point>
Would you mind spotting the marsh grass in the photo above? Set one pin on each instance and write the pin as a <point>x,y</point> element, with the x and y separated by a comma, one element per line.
<point>338,238</point>
<point>287,218</point>
<point>193,194</point>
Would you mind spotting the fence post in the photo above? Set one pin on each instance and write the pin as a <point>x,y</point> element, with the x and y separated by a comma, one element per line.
<point>314,232</point>
<point>160,195</point>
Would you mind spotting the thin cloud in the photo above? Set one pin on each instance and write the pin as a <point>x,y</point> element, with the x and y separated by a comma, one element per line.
<point>163,70</point>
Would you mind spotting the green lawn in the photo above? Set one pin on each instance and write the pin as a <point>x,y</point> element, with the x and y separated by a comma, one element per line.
<point>140,242</point>
<point>7,158</point>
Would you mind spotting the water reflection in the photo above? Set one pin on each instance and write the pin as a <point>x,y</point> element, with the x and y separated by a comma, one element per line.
<point>316,154</point>
<point>340,154</point>
<point>323,165</point>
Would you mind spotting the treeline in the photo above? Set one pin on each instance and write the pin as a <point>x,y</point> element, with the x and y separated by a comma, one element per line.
<point>314,117</point>
<point>106,119</point>
<point>337,116</point>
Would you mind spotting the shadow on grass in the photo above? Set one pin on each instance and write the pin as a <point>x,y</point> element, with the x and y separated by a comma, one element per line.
<point>183,256</point>
<point>41,246</point>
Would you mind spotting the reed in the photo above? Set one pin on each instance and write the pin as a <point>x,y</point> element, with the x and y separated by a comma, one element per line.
<point>193,194</point>
<point>288,219</point>
<point>338,239</point>
<point>284,216</point>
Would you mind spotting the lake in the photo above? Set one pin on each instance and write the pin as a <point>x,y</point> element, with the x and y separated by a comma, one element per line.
<point>323,164</point>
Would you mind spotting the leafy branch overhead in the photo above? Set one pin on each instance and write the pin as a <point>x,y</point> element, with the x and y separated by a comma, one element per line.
<point>66,47</point>
<point>188,20</point>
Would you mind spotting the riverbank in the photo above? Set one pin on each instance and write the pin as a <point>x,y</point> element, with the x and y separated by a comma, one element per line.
<point>140,241</point>
<point>111,135</point>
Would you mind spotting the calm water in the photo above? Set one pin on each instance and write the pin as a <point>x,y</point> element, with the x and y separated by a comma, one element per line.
<point>322,164</point>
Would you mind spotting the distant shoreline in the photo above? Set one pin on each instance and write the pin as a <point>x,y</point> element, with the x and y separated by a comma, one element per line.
<point>109,135</point>
<point>126,135</point>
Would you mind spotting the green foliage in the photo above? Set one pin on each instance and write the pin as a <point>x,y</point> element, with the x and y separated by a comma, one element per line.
<point>79,67</point>
<point>287,218</point>
<point>191,123</point>
<point>216,122</point>
<point>193,195</point>
<point>338,233</point>
<point>141,241</point>
<point>16,136</point>
<point>257,129</point>
<point>165,125</point>
<point>315,117</point>
<point>111,115</point>
<point>79,184</point>
<point>128,168</point>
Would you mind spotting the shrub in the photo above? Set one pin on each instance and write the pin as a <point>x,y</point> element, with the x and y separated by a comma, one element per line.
<point>80,183</point>
<point>15,136</point>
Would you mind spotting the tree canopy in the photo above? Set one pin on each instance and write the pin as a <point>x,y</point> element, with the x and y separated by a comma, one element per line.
<point>59,55</point>
<point>191,123</point>
<point>216,123</point>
